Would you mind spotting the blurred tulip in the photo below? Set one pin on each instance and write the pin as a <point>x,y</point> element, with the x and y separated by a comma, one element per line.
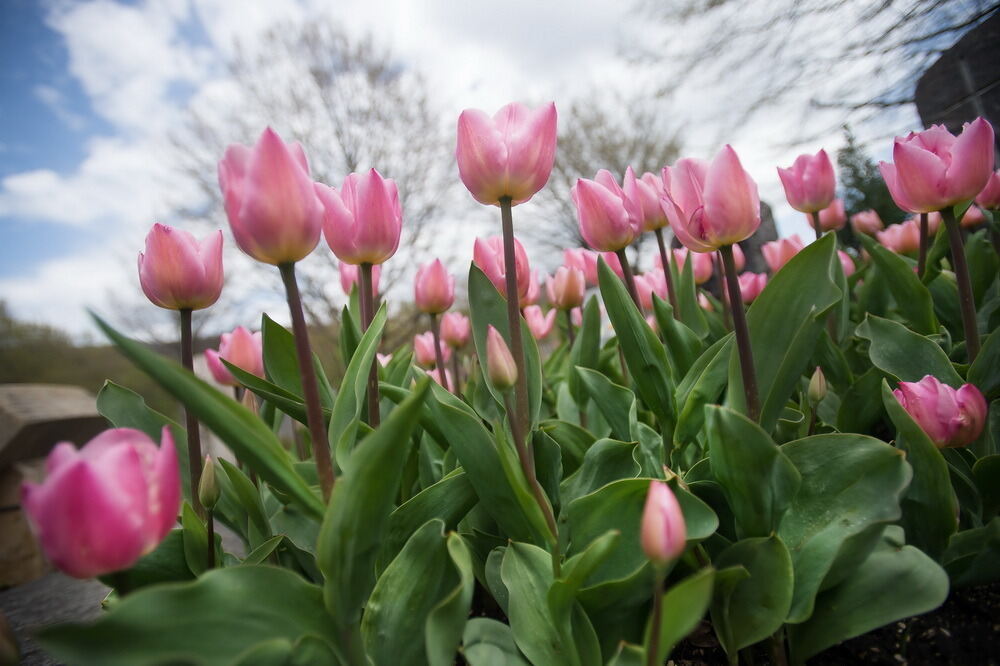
<point>208,486</point>
<point>177,272</point>
<point>534,290</point>
<point>831,218</point>
<point>933,169</point>
<point>106,505</point>
<point>973,218</point>
<point>566,288</point>
<point>508,155</point>
<point>362,222</point>
<point>576,316</point>
<point>846,263</point>
<point>270,200</point>
<point>751,284</point>
<point>609,221</point>
<point>810,182</point>
<point>243,349</point>
<point>577,258</point>
<point>435,374</point>
<point>663,531</point>
<point>350,274</point>
<point>866,222</point>
<point>951,418</point>
<point>499,363</point>
<point>383,359</point>
<point>989,197</point>
<point>649,283</point>
<point>539,324</point>
<point>423,350</point>
<point>703,266</point>
<point>777,253</point>
<point>488,256</point>
<point>434,288</point>
<point>903,238</point>
<point>455,330</point>
<point>645,194</point>
<point>610,258</point>
<point>704,302</point>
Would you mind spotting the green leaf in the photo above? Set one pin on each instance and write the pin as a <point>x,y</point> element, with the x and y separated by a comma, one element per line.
<point>616,403</point>
<point>487,642</point>
<point>249,499</point>
<point>912,298</point>
<point>281,362</point>
<point>985,370</point>
<point>287,402</point>
<point>606,461</point>
<point>586,348</point>
<point>682,607</point>
<point>702,384</point>
<point>973,556</point>
<point>986,472</point>
<point>246,435</point>
<point>358,515</point>
<point>687,298</point>
<point>861,406</point>
<point>903,354</point>
<point>201,622</point>
<point>350,332</point>
<point>166,564</point>
<point>264,550</point>
<point>445,624</point>
<point>683,346</point>
<point>573,442</point>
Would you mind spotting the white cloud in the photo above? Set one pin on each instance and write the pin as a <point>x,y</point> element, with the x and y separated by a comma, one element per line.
<point>57,103</point>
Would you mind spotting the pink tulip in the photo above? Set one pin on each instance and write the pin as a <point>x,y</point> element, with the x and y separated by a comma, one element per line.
<point>810,182</point>
<point>455,329</point>
<point>106,505</point>
<point>902,238</point>
<point>577,258</point>
<point>649,283</point>
<point>434,288</point>
<point>751,284</point>
<point>973,218</point>
<point>566,288</point>
<point>177,272</point>
<point>831,218</point>
<point>534,290</point>
<point>539,324</point>
<point>704,302</point>
<point>846,263</point>
<point>609,221</point>
<point>383,359</point>
<point>645,194</point>
<point>435,374</point>
<point>350,275</point>
<point>272,206</point>
<point>702,267</point>
<point>663,531</point>
<point>989,197</point>
<point>488,256</point>
<point>363,221</point>
<point>508,155</point>
<point>243,349</point>
<point>423,350</point>
<point>777,253</point>
<point>500,364</point>
<point>951,418</point>
<point>866,222</point>
<point>739,259</point>
<point>933,169</point>
<point>576,316</point>
<point>711,205</point>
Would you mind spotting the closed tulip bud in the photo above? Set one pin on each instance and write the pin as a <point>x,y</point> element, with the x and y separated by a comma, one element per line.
<point>434,289</point>
<point>534,290</point>
<point>663,531</point>
<point>866,222</point>
<point>455,329</point>
<point>609,221</point>
<point>702,267</point>
<point>208,486</point>
<point>711,205</point>
<point>903,238</point>
<point>539,324</point>
<point>778,253</point>
<point>973,218</point>
<point>270,201</point>
<point>751,284</point>
<point>950,417</point>
<point>106,505</point>
<point>846,263</point>
<point>177,272</point>
<point>424,350</point>
<point>435,374</point>
<point>645,194</point>
<point>989,197</point>
<point>362,222</point>
<point>831,218</point>
<point>243,349</point>
<point>649,283</point>
<point>508,155</point>
<point>488,256</point>
<point>933,169</point>
<point>351,274</point>
<point>499,362</point>
<point>809,183</point>
<point>566,288</point>
<point>817,386</point>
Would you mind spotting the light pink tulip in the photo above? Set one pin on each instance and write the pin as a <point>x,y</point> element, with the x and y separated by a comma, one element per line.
<point>951,418</point>
<point>487,254</point>
<point>610,258</point>
<point>577,258</point>
<point>711,205</point>
<point>383,359</point>
<point>810,182</point>
<point>989,197</point>
<point>973,218</point>
<point>243,349</point>
<point>933,169</point>
<point>751,284</point>
<point>831,218</point>
<point>649,283</point>
<point>702,267</point>
<point>903,238</point>
<point>566,288</point>
<point>704,302</point>
<point>846,263</point>
<point>777,253</point>
<point>866,222</point>
<point>177,272</point>
<point>272,206</point>
<point>609,221</point>
<point>500,364</point>
<point>350,275</point>
<point>423,350</point>
<point>106,505</point>
<point>576,316</point>
<point>435,374</point>
<point>362,222</point>
<point>645,194</point>
<point>434,288</point>
<point>534,290</point>
<point>455,329</point>
<point>508,155</point>
<point>539,324</point>
<point>663,531</point>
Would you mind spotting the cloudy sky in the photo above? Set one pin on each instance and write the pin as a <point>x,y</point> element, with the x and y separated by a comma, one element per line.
<point>90,90</point>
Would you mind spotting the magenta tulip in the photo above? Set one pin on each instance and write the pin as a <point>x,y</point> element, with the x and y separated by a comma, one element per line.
<point>455,329</point>
<point>831,218</point>
<point>350,276</point>
<point>989,197</point>
<point>539,324</point>
<point>434,288</point>
<point>272,207</point>
<point>846,263</point>
<point>777,253</point>
<point>809,183</point>
<point>902,238</point>
<point>488,256</point>
<point>362,222</point>
<point>241,348</point>
<point>609,221</point>
<point>951,418</point>
<point>566,288</point>
<point>663,532</point>
<point>106,505</point>
<point>866,222</point>
<point>423,350</point>
<point>508,155</point>
<point>177,272</point>
<point>500,364</point>
<point>645,194</point>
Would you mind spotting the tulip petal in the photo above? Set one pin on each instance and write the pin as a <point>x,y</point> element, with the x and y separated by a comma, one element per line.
<point>920,175</point>
<point>481,156</point>
<point>971,161</point>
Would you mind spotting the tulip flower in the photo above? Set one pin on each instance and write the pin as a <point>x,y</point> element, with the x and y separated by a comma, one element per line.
<point>649,283</point>
<point>846,263</point>
<point>609,220</point>
<point>539,324</point>
<point>499,363</point>
<point>488,256</point>
<point>866,222</point>
<point>362,222</point>
<point>902,238</point>
<point>831,218</point>
<point>817,387</point>
<point>777,253</point>
<point>423,350</point>
<point>704,303</point>
<point>383,359</point>
<point>177,272</point>
<point>751,284</point>
<point>434,288</point>
<point>509,155</point>
<point>933,170</point>
<point>534,290</point>
<point>711,205</point>
<point>610,258</point>
<point>972,218</point>
<point>663,531</point>
<point>106,505</point>
<point>950,417</point>
<point>989,197</point>
<point>702,267</point>
<point>577,258</point>
<point>435,374</point>
<point>270,201</point>
<point>455,329</point>
<point>645,194</point>
<point>243,349</point>
<point>576,316</point>
<point>566,288</point>
<point>809,183</point>
<point>350,275</point>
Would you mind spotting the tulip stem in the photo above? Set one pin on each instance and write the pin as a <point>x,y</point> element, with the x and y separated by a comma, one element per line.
<point>456,372</point>
<point>778,655</point>
<point>367,303</point>
<point>629,278</point>
<point>965,295</point>
<point>816,227</point>
<point>654,628</point>
<point>570,335</point>
<point>438,356</point>
<point>514,323</point>
<point>310,388</point>
<point>742,334</point>
<point>727,317</point>
<point>210,528</point>
<point>665,261</point>
<point>922,257</point>
<point>191,421</point>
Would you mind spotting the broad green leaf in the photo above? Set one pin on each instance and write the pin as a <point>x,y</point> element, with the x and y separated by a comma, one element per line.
<point>445,624</point>
<point>487,642</point>
<point>264,550</point>
<point>703,384</point>
<point>973,556</point>
<point>617,403</point>
<point>350,332</point>
<point>986,472</point>
<point>586,349</point>
<point>861,405</point>
<point>913,300</point>
<point>573,442</point>
<point>682,607</point>
<point>281,363</point>
<point>606,461</point>
<point>905,355</point>
<point>687,297</point>
<point>683,346</point>
<point>985,370</point>
<point>287,402</point>
<point>166,564</point>
<point>249,498</point>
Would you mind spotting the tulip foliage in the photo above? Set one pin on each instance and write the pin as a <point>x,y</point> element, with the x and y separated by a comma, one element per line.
<point>643,494</point>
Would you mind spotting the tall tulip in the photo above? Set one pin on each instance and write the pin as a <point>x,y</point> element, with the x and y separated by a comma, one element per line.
<point>434,292</point>
<point>809,185</point>
<point>178,272</point>
<point>455,329</point>
<point>866,222</point>
<point>950,417</point>
<point>645,193</point>
<point>243,349</point>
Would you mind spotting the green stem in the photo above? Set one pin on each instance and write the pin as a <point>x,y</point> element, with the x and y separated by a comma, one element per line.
<point>664,259</point>
<point>965,295</point>
<point>210,528</point>
<point>438,356</point>
<point>514,322</point>
<point>570,335</point>
<point>629,278</point>
<point>191,421</point>
<point>367,303</point>
<point>924,242</point>
<point>456,370</point>
<point>654,629</point>
<point>778,655</point>
<point>742,334</point>
<point>816,227</point>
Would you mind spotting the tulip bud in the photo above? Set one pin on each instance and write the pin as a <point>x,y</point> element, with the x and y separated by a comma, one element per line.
<point>362,222</point>
<point>831,218</point>
<point>810,182</point>
<point>241,348</point>
<point>350,275</point>
<point>208,486</point>
<point>489,257</point>
<point>540,325</point>
<point>846,263</point>
<point>609,221</point>
<point>902,238</point>
<point>663,531</point>
<point>178,272</point>
<point>951,418</point>
<point>499,362</point>
<point>566,288</point>
<point>455,329</point>
<point>424,351</point>
<point>973,218</point>
<point>645,194</point>
<point>989,197</point>
<point>866,222</point>
<point>777,253</point>
<point>817,387</point>
<point>434,288</point>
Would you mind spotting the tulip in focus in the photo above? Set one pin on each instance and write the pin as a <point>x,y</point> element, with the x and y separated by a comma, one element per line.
<point>539,324</point>
<point>778,253</point>
<point>270,200</point>
<point>933,169</point>
<point>434,288</point>
<point>817,387</point>
<point>455,329</point>
<point>831,218</point>
<point>362,222</point>
<point>350,276</point>
<point>751,284</point>
<point>106,505</point>
<point>866,222</point>
<point>663,531</point>
<point>989,198</point>
<point>950,417</point>
<point>609,221</point>
<point>423,350</point>
<point>902,238</point>
<point>846,263</point>
<point>809,183</point>
<point>499,363</point>
<point>241,348</point>
<point>566,288</point>
<point>488,256</point>
<point>177,272</point>
<point>508,155</point>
